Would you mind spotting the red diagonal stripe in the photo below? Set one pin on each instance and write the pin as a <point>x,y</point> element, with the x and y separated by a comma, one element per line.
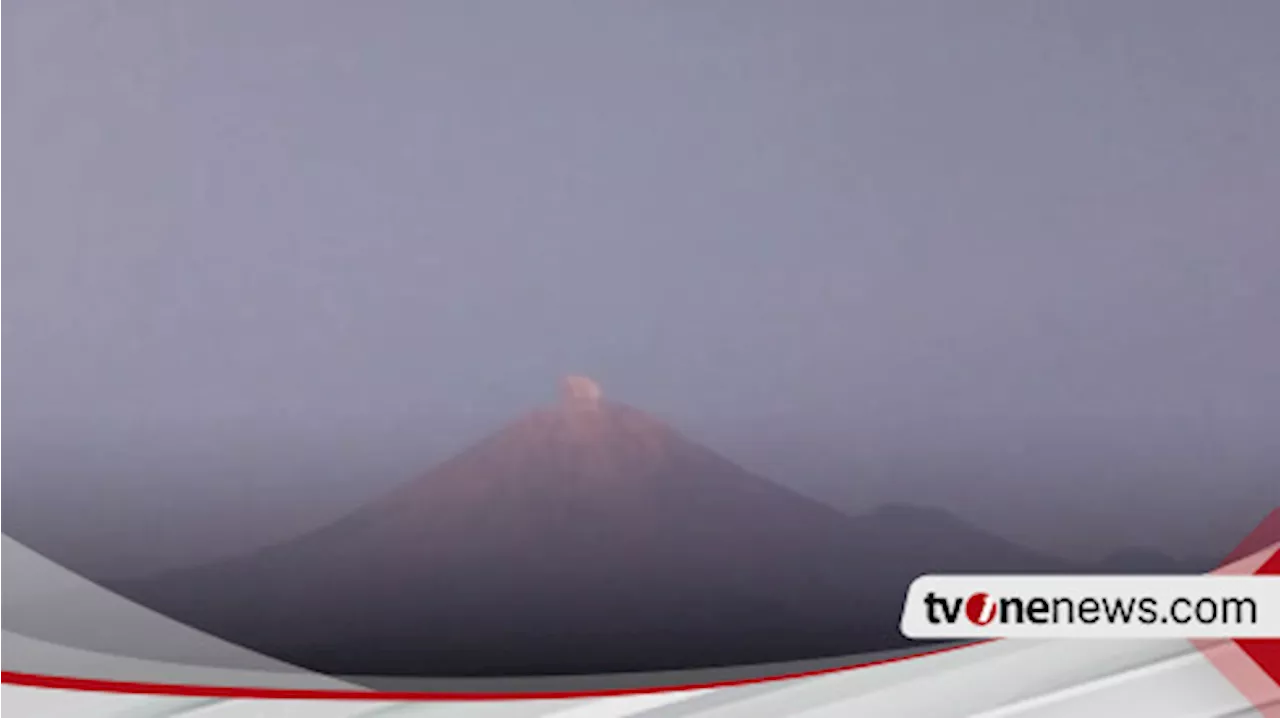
<point>1254,655</point>
<point>1266,652</point>
<point>1266,533</point>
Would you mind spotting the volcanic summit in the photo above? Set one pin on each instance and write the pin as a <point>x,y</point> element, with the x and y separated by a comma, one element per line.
<point>584,537</point>
<point>580,392</point>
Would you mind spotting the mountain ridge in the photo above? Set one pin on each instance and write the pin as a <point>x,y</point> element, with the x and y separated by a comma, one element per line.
<point>587,537</point>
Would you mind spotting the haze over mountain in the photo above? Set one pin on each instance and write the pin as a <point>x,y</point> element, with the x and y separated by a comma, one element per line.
<point>875,251</point>
<point>584,537</point>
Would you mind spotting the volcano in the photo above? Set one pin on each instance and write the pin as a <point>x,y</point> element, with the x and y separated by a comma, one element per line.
<point>585,537</point>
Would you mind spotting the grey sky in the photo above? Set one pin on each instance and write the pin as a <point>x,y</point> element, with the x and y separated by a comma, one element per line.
<point>880,250</point>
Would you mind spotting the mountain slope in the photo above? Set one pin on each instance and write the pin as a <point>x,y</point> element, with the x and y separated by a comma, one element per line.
<point>584,538</point>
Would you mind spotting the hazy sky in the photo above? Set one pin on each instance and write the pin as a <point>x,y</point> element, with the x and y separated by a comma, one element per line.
<point>945,251</point>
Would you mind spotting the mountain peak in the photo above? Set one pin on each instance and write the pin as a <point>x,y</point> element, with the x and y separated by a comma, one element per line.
<point>580,392</point>
<point>589,537</point>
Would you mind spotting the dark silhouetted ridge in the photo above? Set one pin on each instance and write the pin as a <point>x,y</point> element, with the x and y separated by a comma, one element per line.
<point>586,537</point>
